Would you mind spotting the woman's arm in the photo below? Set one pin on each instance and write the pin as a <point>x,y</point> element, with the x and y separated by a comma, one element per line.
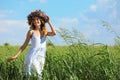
<point>53,31</point>
<point>29,34</point>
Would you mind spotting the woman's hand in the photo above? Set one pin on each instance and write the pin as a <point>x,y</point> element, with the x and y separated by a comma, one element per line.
<point>48,19</point>
<point>10,59</point>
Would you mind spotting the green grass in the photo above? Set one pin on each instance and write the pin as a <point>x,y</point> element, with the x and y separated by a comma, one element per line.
<point>76,62</point>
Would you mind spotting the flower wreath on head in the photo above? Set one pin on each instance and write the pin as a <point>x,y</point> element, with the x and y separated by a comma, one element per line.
<point>37,13</point>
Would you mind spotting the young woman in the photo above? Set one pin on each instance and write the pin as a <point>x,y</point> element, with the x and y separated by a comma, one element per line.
<point>35,58</point>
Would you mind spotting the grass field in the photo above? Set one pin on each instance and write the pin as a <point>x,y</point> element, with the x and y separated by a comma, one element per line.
<point>76,62</point>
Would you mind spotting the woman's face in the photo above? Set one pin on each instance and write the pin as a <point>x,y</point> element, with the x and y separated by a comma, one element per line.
<point>36,22</point>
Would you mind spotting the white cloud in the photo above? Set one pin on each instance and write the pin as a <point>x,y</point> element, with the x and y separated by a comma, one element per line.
<point>93,7</point>
<point>107,9</point>
<point>13,31</point>
<point>31,0</point>
<point>84,18</point>
<point>90,32</point>
<point>4,30</point>
<point>5,13</point>
<point>67,22</point>
<point>104,5</point>
<point>102,1</point>
<point>108,5</point>
<point>111,8</point>
<point>41,1</point>
<point>9,25</point>
<point>74,21</point>
<point>113,14</point>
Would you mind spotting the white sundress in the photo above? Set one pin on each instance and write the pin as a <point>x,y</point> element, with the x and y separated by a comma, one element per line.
<point>35,58</point>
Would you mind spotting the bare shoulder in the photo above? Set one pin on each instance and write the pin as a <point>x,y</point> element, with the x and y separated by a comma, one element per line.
<point>29,33</point>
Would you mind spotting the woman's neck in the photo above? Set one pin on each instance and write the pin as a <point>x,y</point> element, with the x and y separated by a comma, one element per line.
<point>37,28</point>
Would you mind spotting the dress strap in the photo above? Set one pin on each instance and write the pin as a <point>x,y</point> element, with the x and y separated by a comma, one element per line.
<point>32,33</point>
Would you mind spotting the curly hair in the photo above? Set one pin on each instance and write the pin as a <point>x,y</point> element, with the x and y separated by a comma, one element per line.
<point>43,18</point>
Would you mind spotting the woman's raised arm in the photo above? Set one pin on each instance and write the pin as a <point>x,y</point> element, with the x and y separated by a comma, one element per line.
<point>53,31</point>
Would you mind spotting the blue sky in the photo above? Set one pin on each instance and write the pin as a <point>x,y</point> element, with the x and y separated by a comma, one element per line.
<point>83,15</point>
